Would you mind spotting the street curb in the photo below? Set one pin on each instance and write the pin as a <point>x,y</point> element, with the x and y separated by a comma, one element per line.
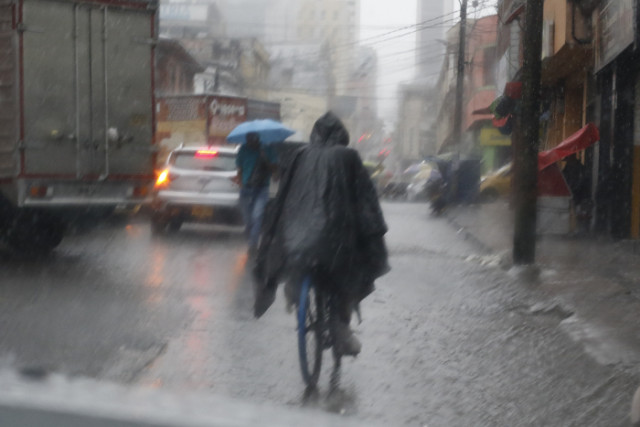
<point>505,260</point>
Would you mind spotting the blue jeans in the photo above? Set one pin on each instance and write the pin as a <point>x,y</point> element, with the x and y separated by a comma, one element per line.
<point>253,202</point>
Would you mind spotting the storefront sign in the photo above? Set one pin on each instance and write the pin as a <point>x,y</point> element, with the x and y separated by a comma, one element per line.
<point>262,110</point>
<point>205,119</point>
<point>615,30</point>
<point>184,12</point>
<point>225,113</point>
<point>181,120</point>
<point>491,137</point>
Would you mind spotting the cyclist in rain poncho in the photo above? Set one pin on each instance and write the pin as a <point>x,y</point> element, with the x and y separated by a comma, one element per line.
<point>326,219</point>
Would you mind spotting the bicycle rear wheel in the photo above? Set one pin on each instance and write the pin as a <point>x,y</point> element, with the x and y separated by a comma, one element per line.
<point>310,326</point>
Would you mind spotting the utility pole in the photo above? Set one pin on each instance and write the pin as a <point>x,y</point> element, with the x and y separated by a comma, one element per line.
<point>457,114</point>
<point>526,139</point>
<point>328,63</point>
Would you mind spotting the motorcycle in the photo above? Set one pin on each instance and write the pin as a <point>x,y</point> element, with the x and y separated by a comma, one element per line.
<point>438,194</point>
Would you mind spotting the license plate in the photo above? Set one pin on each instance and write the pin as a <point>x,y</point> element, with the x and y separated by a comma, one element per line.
<point>202,212</point>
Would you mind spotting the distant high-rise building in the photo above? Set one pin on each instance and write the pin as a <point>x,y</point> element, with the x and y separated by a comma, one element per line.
<point>245,18</point>
<point>281,21</point>
<point>271,21</point>
<point>190,19</point>
<point>433,16</point>
<point>335,24</point>
<point>447,9</point>
<point>313,48</point>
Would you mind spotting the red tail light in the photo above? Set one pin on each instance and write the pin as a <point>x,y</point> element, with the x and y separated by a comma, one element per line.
<point>205,154</point>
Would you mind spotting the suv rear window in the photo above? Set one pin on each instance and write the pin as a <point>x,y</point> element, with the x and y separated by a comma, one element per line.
<point>207,161</point>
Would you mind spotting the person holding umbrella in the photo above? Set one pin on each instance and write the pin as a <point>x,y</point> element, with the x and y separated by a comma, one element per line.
<point>256,164</point>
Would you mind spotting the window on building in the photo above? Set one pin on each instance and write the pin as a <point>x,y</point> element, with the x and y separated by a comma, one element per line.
<point>489,66</point>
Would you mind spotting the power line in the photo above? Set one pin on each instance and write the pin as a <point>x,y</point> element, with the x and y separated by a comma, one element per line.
<point>341,47</point>
<point>419,24</point>
<point>475,35</point>
<point>414,28</point>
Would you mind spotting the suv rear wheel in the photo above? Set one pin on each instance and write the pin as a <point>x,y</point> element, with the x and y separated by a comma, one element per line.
<point>174,225</point>
<point>158,225</point>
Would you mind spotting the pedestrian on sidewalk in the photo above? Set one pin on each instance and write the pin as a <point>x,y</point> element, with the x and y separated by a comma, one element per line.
<point>256,164</point>
<point>575,173</point>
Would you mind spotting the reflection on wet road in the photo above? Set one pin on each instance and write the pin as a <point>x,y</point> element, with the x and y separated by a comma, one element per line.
<point>445,341</point>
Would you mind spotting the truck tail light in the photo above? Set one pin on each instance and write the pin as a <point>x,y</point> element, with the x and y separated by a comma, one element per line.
<point>39,191</point>
<point>163,179</point>
<point>140,191</point>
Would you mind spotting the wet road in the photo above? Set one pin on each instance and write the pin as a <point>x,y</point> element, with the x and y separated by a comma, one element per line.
<point>449,339</point>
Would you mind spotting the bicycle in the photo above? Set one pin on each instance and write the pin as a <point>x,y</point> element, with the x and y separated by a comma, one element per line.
<point>314,328</point>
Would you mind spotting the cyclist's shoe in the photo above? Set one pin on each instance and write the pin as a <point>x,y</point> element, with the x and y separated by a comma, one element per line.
<point>291,295</point>
<point>346,342</point>
<point>252,251</point>
<point>264,298</point>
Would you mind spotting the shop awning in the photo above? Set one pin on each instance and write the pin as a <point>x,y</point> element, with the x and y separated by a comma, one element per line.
<point>485,110</point>
<point>551,183</point>
<point>584,138</point>
<point>514,14</point>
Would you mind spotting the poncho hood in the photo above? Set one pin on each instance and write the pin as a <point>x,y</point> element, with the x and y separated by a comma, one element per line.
<point>328,131</point>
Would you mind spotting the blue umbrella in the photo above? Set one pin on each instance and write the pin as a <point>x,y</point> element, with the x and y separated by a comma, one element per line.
<point>269,130</point>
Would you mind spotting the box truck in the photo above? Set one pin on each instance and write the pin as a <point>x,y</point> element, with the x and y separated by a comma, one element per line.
<point>77,113</point>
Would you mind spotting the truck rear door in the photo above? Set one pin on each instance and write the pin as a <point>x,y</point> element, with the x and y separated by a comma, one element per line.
<point>87,89</point>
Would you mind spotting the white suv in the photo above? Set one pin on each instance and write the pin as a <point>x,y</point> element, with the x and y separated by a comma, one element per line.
<point>196,186</point>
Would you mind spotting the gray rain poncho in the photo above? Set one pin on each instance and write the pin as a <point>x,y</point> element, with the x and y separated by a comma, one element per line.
<point>326,216</point>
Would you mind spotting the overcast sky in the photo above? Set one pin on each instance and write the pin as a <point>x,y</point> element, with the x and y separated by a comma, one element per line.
<point>377,18</point>
<point>396,61</point>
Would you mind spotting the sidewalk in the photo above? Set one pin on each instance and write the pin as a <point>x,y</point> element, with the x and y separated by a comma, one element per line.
<point>595,282</point>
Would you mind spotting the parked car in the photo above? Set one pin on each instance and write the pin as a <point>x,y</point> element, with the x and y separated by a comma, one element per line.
<point>496,184</point>
<point>196,186</point>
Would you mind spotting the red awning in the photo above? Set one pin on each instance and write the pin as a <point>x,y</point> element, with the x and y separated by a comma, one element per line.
<point>551,183</point>
<point>501,122</point>
<point>513,90</point>
<point>584,138</point>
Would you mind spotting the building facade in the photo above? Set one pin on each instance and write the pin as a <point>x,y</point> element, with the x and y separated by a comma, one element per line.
<point>415,136</point>
<point>484,141</point>
<point>446,88</point>
<point>590,74</point>
<point>175,68</point>
<point>616,159</point>
<point>232,65</point>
